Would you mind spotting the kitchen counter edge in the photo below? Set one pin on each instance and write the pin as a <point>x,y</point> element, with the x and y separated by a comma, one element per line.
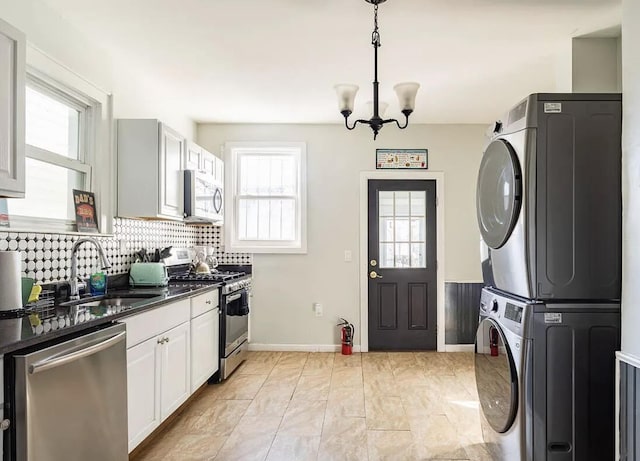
<point>142,306</point>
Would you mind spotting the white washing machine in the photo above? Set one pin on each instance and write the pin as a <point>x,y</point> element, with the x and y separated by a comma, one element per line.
<point>548,198</point>
<point>545,375</point>
<point>502,362</point>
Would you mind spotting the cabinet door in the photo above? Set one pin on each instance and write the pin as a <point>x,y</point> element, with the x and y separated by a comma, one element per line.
<point>204,347</point>
<point>176,369</point>
<point>193,160</point>
<point>143,390</point>
<point>12,93</point>
<point>219,170</point>
<point>172,147</point>
<point>209,163</point>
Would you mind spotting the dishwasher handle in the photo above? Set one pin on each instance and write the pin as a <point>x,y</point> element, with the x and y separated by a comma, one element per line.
<point>59,360</point>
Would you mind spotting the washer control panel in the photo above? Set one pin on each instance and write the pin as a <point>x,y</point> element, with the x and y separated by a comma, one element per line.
<point>513,312</point>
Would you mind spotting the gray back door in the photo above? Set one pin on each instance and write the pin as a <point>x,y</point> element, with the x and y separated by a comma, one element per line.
<point>402,265</point>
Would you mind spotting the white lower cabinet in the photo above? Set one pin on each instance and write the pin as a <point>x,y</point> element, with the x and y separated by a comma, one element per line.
<point>171,351</point>
<point>204,347</point>
<point>143,390</point>
<point>176,369</point>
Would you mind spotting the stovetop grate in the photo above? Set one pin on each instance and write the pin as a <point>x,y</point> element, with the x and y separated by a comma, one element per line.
<point>184,274</point>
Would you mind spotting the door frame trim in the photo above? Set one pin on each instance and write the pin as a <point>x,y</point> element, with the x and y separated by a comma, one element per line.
<point>365,176</point>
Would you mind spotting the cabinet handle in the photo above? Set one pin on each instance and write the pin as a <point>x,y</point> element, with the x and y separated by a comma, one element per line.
<point>166,340</point>
<point>160,340</point>
<point>208,302</point>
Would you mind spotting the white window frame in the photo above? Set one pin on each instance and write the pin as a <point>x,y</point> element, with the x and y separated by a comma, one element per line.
<point>62,83</point>
<point>233,152</point>
<point>87,132</point>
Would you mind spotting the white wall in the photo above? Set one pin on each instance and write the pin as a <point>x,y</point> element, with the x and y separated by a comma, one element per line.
<point>134,94</point>
<point>595,65</point>
<point>631,178</point>
<point>285,286</point>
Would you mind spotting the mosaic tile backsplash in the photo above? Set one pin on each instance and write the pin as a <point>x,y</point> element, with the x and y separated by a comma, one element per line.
<point>47,257</point>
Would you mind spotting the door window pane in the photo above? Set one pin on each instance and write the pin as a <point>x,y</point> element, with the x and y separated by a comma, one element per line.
<point>386,229</point>
<point>51,125</point>
<point>48,193</point>
<point>418,229</point>
<point>418,203</point>
<point>418,258</point>
<point>402,203</point>
<point>386,255</point>
<point>385,203</point>
<point>402,229</point>
<point>402,255</point>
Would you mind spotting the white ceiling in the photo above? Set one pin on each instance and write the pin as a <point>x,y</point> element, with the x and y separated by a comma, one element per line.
<point>277,60</point>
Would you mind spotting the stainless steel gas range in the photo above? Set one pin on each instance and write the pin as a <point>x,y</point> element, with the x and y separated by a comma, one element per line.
<point>235,296</point>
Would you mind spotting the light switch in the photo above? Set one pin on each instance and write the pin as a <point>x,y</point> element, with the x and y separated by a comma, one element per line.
<point>317,308</point>
<point>348,256</point>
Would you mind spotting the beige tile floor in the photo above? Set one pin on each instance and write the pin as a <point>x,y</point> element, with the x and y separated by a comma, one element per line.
<point>294,406</point>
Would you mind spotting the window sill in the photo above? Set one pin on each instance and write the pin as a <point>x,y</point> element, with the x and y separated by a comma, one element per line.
<point>265,250</point>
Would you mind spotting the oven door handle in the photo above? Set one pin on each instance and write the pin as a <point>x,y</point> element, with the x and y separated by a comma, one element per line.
<point>59,360</point>
<point>232,298</point>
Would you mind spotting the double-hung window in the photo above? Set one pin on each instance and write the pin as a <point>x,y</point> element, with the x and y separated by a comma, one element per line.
<point>266,203</point>
<point>58,137</point>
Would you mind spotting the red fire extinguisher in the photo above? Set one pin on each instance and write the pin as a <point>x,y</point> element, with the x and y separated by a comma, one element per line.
<point>493,341</point>
<point>346,336</point>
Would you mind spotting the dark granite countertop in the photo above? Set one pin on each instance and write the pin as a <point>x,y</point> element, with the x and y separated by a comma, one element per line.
<point>20,333</point>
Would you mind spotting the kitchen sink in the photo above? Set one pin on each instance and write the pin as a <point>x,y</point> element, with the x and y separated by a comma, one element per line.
<point>114,301</point>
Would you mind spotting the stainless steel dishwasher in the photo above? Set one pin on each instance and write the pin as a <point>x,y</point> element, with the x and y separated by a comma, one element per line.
<point>71,399</point>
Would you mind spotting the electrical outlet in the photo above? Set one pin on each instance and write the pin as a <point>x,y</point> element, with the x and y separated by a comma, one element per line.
<point>348,256</point>
<point>317,308</point>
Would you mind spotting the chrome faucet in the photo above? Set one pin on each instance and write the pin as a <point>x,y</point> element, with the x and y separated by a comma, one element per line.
<point>74,263</point>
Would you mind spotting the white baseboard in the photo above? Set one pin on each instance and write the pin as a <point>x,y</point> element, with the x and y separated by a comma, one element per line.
<point>298,347</point>
<point>459,347</point>
<point>336,347</point>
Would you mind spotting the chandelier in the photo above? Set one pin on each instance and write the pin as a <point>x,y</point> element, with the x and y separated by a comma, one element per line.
<point>406,91</point>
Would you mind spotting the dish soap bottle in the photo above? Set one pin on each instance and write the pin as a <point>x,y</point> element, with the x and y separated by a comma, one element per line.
<point>98,284</point>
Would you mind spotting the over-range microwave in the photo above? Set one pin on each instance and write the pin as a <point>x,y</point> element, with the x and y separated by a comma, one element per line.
<point>203,198</point>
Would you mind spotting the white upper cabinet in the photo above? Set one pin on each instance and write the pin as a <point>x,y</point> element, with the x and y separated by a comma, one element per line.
<point>171,190</point>
<point>12,91</point>
<point>219,170</point>
<point>213,166</point>
<point>193,159</point>
<point>150,159</point>
<point>209,163</point>
<point>198,158</point>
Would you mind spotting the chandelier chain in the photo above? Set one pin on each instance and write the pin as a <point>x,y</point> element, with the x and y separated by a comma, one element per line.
<point>375,36</point>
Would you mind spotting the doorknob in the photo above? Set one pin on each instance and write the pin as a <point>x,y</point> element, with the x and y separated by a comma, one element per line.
<point>374,275</point>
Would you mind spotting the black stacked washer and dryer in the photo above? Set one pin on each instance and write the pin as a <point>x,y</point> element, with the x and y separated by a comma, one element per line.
<point>549,211</point>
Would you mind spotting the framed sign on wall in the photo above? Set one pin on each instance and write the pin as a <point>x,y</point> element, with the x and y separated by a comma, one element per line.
<point>401,159</point>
